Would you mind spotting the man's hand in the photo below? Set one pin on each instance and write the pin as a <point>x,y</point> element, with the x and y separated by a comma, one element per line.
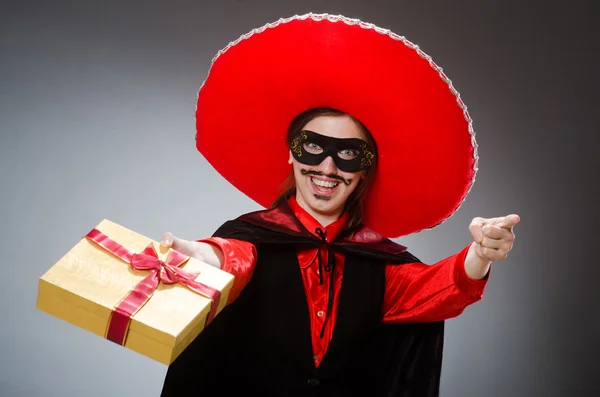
<point>202,251</point>
<point>493,240</point>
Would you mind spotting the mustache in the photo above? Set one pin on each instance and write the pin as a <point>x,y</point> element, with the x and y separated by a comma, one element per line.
<point>336,177</point>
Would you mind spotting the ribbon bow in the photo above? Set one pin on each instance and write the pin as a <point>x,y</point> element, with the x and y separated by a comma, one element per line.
<point>168,272</point>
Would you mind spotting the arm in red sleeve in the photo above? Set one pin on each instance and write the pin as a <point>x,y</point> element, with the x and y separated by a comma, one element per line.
<point>416,292</point>
<point>239,260</point>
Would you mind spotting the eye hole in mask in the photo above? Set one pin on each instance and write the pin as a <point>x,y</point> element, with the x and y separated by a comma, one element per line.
<point>344,154</point>
<point>349,155</point>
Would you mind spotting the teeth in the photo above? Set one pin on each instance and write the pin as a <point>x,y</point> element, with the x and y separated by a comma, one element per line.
<point>324,184</point>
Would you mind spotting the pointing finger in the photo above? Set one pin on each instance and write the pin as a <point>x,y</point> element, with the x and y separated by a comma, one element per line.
<point>509,221</point>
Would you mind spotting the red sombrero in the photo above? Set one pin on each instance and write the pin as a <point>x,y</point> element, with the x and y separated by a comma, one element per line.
<point>258,84</point>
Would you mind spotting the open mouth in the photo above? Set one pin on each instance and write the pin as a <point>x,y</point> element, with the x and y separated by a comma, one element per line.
<point>324,184</point>
<point>323,189</point>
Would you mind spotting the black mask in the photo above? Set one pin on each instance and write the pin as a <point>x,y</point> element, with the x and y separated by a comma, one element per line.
<point>349,155</point>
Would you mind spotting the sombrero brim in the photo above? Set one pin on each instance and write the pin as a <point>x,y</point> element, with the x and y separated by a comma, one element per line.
<point>258,84</point>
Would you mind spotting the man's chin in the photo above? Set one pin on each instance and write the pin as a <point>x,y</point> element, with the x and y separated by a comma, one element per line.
<point>322,198</point>
<point>326,206</point>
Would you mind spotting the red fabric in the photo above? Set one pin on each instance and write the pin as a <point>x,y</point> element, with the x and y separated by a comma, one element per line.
<point>258,86</point>
<point>413,292</point>
<point>239,258</point>
<point>317,295</point>
<point>417,292</point>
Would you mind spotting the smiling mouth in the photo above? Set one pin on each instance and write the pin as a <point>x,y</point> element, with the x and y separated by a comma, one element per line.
<point>324,184</point>
<point>323,190</point>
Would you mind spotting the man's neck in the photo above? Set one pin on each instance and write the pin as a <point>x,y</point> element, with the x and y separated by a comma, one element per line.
<point>324,219</point>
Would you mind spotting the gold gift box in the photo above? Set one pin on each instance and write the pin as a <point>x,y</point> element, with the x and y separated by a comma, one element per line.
<point>86,284</point>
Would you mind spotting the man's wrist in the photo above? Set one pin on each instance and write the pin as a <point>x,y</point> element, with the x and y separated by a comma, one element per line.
<point>476,266</point>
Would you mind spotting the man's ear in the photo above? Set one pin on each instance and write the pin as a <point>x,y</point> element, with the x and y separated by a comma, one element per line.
<point>291,159</point>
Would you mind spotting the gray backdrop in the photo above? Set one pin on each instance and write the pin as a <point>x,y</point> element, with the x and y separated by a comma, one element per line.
<point>97,107</point>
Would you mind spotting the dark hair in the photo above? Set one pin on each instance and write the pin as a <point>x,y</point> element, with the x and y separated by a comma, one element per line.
<point>354,203</point>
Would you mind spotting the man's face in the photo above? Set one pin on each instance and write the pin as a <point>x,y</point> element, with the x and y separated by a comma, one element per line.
<point>323,188</point>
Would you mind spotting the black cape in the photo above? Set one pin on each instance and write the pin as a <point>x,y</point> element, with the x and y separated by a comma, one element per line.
<point>260,344</point>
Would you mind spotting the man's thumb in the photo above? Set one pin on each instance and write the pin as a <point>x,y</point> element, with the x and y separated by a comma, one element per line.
<point>168,240</point>
<point>185,247</point>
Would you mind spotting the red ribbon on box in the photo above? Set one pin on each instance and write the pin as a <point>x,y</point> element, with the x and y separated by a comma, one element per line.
<point>168,271</point>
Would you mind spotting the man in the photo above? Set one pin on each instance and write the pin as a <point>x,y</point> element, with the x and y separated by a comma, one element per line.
<point>322,303</point>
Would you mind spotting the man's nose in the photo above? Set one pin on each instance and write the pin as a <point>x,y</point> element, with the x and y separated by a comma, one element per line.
<point>328,166</point>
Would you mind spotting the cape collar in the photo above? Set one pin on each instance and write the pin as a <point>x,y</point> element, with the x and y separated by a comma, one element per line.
<point>282,219</point>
